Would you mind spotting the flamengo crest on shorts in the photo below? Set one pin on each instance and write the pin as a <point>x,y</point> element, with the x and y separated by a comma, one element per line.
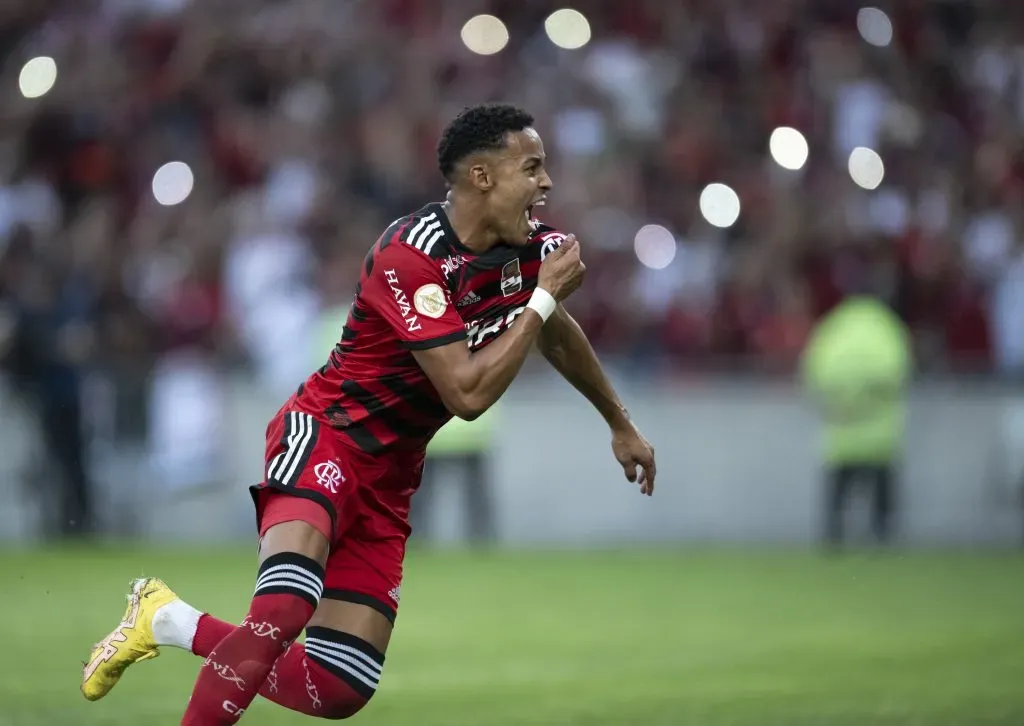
<point>328,475</point>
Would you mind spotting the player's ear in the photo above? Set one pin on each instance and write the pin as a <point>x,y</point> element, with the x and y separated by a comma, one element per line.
<point>480,177</point>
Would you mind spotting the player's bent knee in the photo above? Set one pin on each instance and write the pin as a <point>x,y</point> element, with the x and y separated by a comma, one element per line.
<point>286,581</point>
<point>351,660</point>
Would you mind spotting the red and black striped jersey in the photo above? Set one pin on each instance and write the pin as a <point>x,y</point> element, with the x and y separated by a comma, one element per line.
<point>420,287</point>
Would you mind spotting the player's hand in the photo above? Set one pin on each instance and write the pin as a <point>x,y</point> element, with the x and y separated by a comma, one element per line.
<point>636,455</point>
<point>562,271</point>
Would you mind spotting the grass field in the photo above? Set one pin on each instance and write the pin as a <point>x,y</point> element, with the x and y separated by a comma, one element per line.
<point>655,638</point>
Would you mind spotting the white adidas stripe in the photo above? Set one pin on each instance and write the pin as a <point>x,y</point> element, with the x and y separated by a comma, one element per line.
<point>287,570</point>
<point>345,665</point>
<point>284,467</point>
<point>420,233</point>
<point>291,585</point>
<point>347,652</point>
<point>307,425</point>
<point>430,243</point>
<point>290,576</point>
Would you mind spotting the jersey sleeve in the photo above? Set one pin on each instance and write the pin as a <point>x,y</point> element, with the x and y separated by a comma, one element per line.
<point>407,289</point>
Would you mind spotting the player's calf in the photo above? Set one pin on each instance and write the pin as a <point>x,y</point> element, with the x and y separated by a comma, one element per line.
<point>333,677</point>
<point>288,588</point>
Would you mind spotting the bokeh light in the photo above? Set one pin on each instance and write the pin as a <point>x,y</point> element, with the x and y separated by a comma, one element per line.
<point>720,205</point>
<point>37,77</point>
<point>485,34</point>
<point>788,148</point>
<point>866,168</point>
<point>568,28</point>
<point>874,27</point>
<point>655,246</point>
<point>172,183</point>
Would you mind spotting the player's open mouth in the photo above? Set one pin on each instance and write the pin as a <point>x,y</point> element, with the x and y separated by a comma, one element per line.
<point>529,213</point>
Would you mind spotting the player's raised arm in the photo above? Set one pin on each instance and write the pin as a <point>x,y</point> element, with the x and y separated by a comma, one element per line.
<point>566,347</point>
<point>470,383</point>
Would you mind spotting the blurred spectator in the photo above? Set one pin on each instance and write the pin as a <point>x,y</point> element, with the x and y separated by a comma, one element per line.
<point>52,339</point>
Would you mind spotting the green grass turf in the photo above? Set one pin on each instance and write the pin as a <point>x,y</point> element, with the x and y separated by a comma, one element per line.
<point>609,639</point>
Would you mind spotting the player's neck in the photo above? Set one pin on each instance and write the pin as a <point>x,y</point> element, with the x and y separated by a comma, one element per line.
<point>468,224</point>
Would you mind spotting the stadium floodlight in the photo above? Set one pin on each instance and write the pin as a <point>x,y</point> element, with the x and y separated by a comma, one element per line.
<point>37,77</point>
<point>485,34</point>
<point>655,246</point>
<point>568,28</point>
<point>866,168</point>
<point>720,205</point>
<point>172,183</point>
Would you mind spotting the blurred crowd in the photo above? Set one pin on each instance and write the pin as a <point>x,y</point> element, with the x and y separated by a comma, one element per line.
<point>310,124</point>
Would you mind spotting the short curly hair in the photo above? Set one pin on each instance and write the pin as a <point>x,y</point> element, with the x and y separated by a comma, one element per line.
<point>478,128</point>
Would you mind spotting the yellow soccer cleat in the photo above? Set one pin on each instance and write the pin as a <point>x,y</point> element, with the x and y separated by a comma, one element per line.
<point>130,642</point>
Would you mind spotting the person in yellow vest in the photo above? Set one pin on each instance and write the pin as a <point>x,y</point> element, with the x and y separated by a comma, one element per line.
<point>856,368</point>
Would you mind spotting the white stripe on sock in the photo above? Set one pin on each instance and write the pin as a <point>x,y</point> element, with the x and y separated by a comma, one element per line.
<point>345,666</point>
<point>347,652</point>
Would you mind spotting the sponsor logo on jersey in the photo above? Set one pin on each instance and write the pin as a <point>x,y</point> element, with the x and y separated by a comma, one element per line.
<point>402,300</point>
<point>468,299</point>
<point>511,278</point>
<point>451,264</point>
<point>480,330</point>
<point>429,300</point>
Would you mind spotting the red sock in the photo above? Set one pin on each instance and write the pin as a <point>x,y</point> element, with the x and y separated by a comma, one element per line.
<point>209,632</point>
<point>295,681</point>
<point>300,683</point>
<point>287,591</point>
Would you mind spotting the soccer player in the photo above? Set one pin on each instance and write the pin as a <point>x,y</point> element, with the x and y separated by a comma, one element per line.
<point>450,301</point>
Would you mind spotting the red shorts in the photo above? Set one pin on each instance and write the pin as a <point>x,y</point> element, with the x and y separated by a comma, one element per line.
<point>360,502</point>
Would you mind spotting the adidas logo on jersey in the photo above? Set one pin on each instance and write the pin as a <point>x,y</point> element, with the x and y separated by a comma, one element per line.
<point>468,299</point>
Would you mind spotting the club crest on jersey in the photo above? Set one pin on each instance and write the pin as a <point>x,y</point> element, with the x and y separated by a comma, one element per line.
<point>511,278</point>
<point>552,241</point>
<point>430,300</point>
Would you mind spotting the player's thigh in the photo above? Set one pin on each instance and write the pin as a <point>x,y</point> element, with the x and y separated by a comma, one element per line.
<point>363,580</point>
<point>294,535</point>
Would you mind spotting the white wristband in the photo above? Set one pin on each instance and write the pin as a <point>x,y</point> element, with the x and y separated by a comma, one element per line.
<point>543,303</point>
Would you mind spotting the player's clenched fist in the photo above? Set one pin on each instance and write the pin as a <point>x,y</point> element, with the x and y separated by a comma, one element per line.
<point>562,271</point>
